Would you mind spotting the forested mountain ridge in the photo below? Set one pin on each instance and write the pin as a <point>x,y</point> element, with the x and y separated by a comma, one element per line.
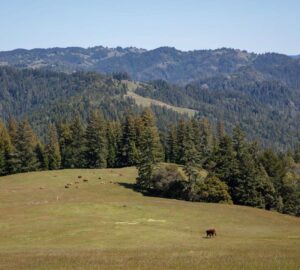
<point>45,96</point>
<point>165,63</point>
<point>258,91</point>
<point>269,111</point>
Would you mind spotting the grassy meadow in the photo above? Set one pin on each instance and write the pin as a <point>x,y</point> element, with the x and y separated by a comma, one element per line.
<point>104,224</point>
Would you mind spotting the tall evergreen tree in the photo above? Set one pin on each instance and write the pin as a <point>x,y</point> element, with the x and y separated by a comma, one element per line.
<point>12,127</point>
<point>26,142</point>
<point>191,157</point>
<point>129,152</point>
<point>248,183</point>
<point>5,149</point>
<point>151,149</point>
<point>96,141</point>
<point>52,149</point>
<point>225,164</point>
<point>77,146</point>
<point>65,144</point>
<point>113,138</point>
<point>171,145</point>
<point>205,144</point>
<point>181,137</point>
<point>42,158</point>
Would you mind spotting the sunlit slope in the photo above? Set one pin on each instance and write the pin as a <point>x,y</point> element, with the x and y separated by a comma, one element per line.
<point>103,224</point>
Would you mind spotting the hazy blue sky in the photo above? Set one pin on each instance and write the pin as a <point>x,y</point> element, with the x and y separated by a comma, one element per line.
<point>254,25</point>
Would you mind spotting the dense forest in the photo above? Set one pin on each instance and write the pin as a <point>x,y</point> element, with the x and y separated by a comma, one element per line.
<point>268,111</point>
<point>44,96</point>
<point>211,165</point>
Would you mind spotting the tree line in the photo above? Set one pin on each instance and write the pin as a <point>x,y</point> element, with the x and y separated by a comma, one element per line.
<point>212,166</point>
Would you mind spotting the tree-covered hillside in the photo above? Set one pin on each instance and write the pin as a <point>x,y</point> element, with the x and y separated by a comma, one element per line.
<point>268,110</point>
<point>45,96</point>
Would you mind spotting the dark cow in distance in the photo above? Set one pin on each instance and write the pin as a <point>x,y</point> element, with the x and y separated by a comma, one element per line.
<point>211,233</point>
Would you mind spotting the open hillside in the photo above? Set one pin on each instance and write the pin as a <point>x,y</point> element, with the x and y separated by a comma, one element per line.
<point>103,223</point>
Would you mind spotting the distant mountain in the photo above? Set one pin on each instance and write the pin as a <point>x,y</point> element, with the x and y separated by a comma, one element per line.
<point>165,63</point>
<point>295,56</point>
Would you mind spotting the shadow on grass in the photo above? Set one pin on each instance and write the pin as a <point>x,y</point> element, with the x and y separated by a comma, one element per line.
<point>136,188</point>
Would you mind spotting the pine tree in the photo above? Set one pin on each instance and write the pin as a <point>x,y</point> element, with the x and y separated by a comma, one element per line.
<point>191,157</point>
<point>129,153</point>
<point>225,164</point>
<point>205,143</point>
<point>181,136</point>
<point>65,144</point>
<point>12,127</point>
<point>96,141</point>
<point>171,145</point>
<point>151,150</point>
<point>248,182</point>
<point>41,156</point>
<point>113,138</point>
<point>11,154</point>
<point>52,149</point>
<point>77,143</point>
<point>26,142</point>
<point>5,149</point>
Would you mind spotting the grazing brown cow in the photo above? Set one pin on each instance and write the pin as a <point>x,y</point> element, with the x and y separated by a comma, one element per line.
<point>85,180</point>
<point>211,233</point>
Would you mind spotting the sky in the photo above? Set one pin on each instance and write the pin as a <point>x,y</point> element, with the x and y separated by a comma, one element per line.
<point>254,25</point>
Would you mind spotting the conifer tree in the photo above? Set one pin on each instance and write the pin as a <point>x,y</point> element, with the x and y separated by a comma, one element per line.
<point>205,141</point>
<point>12,127</point>
<point>96,141</point>
<point>248,182</point>
<point>52,149</point>
<point>11,155</point>
<point>225,164</point>
<point>65,144</point>
<point>5,149</point>
<point>41,156</point>
<point>77,143</point>
<point>191,157</point>
<point>26,142</point>
<point>113,138</point>
<point>151,149</point>
<point>129,153</point>
<point>181,136</point>
<point>171,145</point>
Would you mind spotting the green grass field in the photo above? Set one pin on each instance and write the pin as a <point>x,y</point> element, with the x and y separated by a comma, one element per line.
<point>104,224</point>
